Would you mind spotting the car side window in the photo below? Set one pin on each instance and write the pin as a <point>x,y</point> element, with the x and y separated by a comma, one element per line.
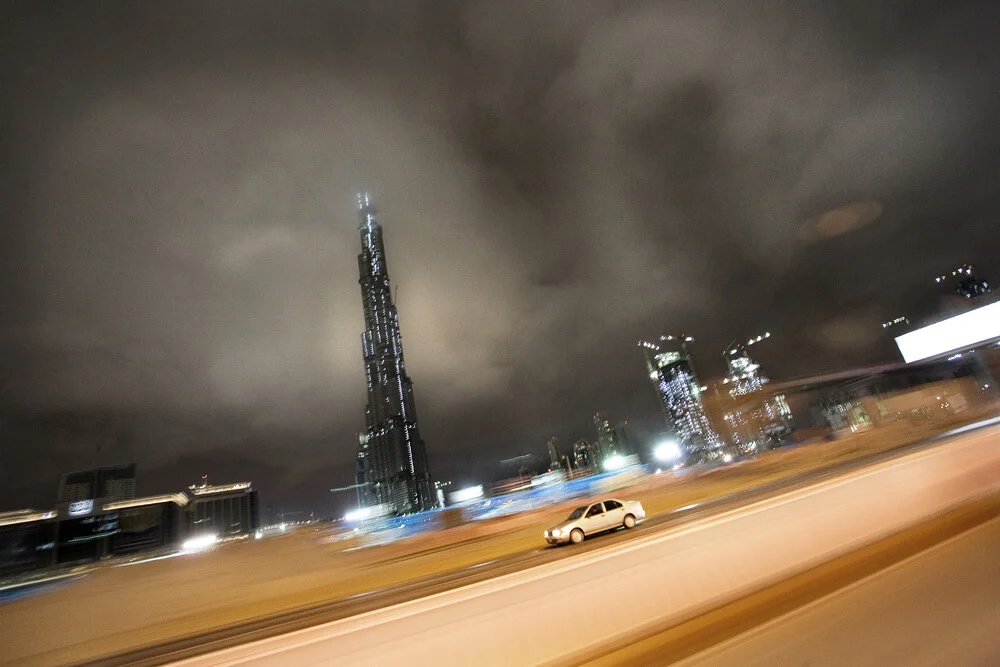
<point>595,510</point>
<point>611,505</point>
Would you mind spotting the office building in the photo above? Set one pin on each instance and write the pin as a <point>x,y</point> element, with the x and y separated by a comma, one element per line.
<point>392,458</point>
<point>604,438</point>
<point>27,541</point>
<point>622,442</point>
<point>148,523</point>
<point>553,446</point>
<point>224,510</point>
<point>85,529</point>
<point>756,423</point>
<point>108,483</point>
<point>584,455</point>
<point>677,388</point>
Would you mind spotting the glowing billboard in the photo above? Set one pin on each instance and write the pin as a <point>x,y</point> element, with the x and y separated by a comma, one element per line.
<point>951,335</point>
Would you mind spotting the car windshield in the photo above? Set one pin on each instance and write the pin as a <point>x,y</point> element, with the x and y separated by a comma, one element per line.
<point>577,513</point>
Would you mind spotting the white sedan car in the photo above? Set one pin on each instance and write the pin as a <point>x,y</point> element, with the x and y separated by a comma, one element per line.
<point>598,517</point>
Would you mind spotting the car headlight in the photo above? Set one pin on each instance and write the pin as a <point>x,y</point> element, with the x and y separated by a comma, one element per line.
<point>556,533</point>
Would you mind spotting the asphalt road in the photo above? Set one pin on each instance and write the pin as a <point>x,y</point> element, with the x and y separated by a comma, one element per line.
<point>201,643</point>
<point>924,596</point>
<point>941,607</point>
<point>560,611</point>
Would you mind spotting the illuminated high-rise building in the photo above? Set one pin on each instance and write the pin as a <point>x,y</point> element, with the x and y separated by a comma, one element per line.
<point>392,459</point>
<point>967,284</point>
<point>680,396</point>
<point>754,424</point>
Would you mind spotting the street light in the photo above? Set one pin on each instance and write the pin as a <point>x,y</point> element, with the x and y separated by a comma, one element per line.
<point>614,462</point>
<point>667,451</point>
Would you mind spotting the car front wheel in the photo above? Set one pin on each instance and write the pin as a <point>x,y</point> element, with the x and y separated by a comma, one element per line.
<point>629,521</point>
<point>576,536</point>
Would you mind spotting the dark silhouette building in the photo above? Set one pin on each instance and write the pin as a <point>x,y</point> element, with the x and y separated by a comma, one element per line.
<point>108,483</point>
<point>555,461</point>
<point>392,458</point>
<point>966,284</point>
<point>604,437</point>
<point>223,510</point>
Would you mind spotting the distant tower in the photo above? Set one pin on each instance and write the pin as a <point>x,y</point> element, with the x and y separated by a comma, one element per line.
<point>622,440</point>
<point>604,438</point>
<point>583,454</point>
<point>967,284</point>
<point>755,425</point>
<point>553,447</point>
<point>392,459</point>
<point>680,395</point>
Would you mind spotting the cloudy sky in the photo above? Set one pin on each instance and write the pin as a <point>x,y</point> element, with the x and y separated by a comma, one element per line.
<point>555,179</point>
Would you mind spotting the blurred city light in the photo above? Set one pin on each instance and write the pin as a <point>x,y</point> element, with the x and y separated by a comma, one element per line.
<point>359,514</point>
<point>614,462</point>
<point>466,494</point>
<point>199,543</point>
<point>667,450</point>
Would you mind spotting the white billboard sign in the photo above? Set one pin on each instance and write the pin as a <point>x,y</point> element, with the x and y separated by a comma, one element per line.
<point>951,335</point>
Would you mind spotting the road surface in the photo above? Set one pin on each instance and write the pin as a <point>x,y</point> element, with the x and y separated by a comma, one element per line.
<point>105,641</point>
<point>203,642</point>
<point>563,609</point>
<point>939,607</point>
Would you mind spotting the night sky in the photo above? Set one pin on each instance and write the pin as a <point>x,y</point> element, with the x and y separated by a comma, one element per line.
<point>555,180</point>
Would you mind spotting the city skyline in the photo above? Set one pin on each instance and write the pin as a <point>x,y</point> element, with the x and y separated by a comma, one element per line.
<point>181,287</point>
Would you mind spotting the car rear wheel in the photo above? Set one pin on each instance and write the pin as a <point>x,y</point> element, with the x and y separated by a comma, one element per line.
<point>576,536</point>
<point>629,521</point>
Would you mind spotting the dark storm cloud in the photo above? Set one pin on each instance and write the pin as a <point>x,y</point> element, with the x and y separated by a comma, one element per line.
<point>555,179</point>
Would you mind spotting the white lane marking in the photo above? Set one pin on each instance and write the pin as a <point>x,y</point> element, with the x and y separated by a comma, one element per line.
<point>376,617</point>
<point>969,427</point>
<point>748,635</point>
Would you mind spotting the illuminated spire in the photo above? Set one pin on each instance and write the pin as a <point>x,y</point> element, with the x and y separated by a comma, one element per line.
<point>366,209</point>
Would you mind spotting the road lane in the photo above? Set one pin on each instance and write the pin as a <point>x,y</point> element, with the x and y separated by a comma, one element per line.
<point>217,639</point>
<point>938,608</point>
<point>557,609</point>
<point>164,641</point>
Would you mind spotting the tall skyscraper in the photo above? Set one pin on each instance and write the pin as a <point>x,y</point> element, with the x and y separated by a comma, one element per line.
<point>555,461</point>
<point>392,458</point>
<point>604,439</point>
<point>621,438</point>
<point>680,395</point>
<point>755,424</point>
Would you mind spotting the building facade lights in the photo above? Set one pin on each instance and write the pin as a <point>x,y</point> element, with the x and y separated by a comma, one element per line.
<point>764,421</point>
<point>392,465</point>
<point>679,392</point>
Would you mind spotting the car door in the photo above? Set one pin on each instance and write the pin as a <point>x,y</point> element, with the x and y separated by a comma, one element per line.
<point>593,519</point>
<point>614,513</point>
